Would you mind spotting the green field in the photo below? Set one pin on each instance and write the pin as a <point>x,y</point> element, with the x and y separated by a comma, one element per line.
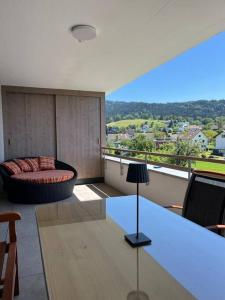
<point>206,166</point>
<point>126,123</point>
<point>136,122</point>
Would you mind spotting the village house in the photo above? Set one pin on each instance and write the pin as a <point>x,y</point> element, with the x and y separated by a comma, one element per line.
<point>220,143</point>
<point>196,136</point>
<point>173,137</point>
<point>130,132</point>
<point>160,142</point>
<point>145,128</point>
<point>111,130</point>
<point>115,137</point>
<point>214,127</point>
<point>182,126</point>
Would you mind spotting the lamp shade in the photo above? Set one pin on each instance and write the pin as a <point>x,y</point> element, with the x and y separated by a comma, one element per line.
<point>137,173</point>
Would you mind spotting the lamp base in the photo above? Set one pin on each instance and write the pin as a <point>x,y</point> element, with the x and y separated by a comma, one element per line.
<point>133,241</point>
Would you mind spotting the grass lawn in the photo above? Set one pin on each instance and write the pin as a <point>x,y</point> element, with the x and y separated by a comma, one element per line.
<point>126,123</point>
<point>202,165</point>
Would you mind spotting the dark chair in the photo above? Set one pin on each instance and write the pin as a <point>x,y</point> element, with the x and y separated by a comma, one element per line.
<point>8,258</point>
<point>204,201</point>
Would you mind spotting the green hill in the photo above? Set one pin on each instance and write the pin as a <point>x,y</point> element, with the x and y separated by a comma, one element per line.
<point>116,111</point>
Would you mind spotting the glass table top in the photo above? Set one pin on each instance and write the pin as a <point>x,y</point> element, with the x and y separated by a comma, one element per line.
<point>85,254</point>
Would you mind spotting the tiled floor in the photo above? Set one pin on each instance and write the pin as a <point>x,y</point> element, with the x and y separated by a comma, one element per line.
<point>32,283</point>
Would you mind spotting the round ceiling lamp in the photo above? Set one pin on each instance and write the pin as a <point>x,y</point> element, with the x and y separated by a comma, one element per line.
<point>83,32</point>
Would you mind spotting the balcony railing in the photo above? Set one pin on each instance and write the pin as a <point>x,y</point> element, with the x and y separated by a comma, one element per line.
<point>145,156</point>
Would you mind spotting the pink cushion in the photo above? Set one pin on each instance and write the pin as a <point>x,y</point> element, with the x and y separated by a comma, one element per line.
<point>24,166</point>
<point>12,167</point>
<point>50,176</point>
<point>46,163</point>
<point>33,163</point>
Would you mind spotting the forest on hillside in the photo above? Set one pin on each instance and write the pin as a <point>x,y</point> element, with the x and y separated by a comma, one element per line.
<point>116,110</point>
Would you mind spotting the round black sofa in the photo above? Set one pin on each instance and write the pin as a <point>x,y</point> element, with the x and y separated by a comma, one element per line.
<point>36,193</point>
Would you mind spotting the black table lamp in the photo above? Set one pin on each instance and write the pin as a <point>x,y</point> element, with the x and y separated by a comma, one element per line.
<point>137,173</point>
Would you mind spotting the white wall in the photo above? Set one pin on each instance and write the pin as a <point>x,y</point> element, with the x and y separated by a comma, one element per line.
<point>163,188</point>
<point>220,141</point>
<point>199,138</point>
<point>1,131</point>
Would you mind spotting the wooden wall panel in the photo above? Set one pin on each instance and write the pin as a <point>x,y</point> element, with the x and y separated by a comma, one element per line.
<point>78,122</point>
<point>14,125</point>
<point>69,125</point>
<point>29,125</point>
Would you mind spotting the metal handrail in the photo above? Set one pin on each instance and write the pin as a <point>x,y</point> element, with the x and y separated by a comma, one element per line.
<point>152,162</point>
<point>181,157</point>
<point>167,165</point>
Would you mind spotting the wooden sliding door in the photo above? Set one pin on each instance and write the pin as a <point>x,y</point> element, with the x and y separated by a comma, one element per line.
<point>78,128</point>
<point>68,125</point>
<point>29,124</point>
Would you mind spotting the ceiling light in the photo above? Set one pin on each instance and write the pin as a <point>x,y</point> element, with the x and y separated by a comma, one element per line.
<point>83,32</point>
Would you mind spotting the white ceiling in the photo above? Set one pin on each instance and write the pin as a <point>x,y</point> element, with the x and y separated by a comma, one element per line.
<point>134,36</point>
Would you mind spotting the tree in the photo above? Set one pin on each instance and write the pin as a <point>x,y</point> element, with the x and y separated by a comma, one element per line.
<point>140,143</point>
<point>167,148</point>
<point>220,122</point>
<point>171,124</point>
<point>200,110</point>
<point>132,126</point>
<point>210,134</point>
<point>186,148</point>
<point>159,134</point>
<point>206,121</point>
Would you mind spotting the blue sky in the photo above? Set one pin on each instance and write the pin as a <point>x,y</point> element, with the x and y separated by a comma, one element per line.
<point>198,73</point>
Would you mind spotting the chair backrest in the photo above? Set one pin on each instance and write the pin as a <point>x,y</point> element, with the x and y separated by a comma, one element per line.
<point>204,202</point>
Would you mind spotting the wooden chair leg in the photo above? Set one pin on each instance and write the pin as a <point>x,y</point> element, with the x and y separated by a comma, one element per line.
<point>16,289</point>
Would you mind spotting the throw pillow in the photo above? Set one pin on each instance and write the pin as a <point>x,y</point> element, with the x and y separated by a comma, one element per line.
<point>33,163</point>
<point>46,163</point>
<point>12,167</point>
<point>24,166</point>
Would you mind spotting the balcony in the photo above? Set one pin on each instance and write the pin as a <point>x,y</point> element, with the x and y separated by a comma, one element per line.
<point>166,186</point>
<point>52,97</point>
<point>173,181</point>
